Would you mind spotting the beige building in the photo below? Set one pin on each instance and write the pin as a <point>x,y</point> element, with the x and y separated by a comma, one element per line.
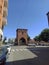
<point>3,15</point>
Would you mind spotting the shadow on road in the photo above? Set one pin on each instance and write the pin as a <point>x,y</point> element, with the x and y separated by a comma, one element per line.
<point>42,59</point>
<point>43,56</point>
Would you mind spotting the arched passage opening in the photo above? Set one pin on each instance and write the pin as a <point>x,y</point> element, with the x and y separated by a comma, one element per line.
<point>22,41</point>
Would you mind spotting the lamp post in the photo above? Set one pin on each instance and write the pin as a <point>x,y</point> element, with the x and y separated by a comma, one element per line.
<point>48,17</point>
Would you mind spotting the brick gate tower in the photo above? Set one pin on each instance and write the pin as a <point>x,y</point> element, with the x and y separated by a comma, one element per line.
<point>21,36</point>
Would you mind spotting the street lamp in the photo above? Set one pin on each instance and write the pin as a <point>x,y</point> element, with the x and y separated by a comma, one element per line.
<point>48,17</point>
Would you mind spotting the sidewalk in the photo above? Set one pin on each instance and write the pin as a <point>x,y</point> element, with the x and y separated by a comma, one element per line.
<point>42,46</point>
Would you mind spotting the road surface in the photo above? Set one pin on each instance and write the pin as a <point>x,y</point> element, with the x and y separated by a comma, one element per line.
<point>25,55</point>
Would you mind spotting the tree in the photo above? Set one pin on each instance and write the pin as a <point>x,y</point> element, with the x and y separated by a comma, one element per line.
<point>4,40</point>
<point>45,35</point>
<point>28,37</point>
<point>11,40</point>
<point>37,38</point>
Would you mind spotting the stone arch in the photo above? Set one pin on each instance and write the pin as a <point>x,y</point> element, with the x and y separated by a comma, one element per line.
<point>22,41</point>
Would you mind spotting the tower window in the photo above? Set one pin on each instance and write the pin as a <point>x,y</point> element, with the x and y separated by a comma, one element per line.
<point>22,33</point>
<point>0,9</point>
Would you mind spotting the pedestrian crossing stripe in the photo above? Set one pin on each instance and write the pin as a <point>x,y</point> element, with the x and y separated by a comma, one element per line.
<point>25,49</point>
<point>13,50</point>
<point>19,50</point>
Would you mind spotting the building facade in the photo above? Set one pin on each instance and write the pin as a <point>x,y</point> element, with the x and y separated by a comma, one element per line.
<point>21,36</point>
<point>3,15</point>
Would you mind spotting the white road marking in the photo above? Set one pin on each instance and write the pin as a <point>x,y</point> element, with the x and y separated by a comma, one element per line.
<point>21,49</point>
<point>42,46</point>
<point>25,49</point>
<point>17,49</point>
<point>14,50</point>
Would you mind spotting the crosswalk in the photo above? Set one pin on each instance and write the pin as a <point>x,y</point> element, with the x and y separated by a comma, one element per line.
<point>13,50</point>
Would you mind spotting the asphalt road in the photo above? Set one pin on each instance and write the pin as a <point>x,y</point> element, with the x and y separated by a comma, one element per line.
<point>24,55</point>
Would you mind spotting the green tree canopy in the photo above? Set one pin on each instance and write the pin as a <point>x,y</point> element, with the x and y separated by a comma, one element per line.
<point>28,37</point>
<point>44,36</point>
<point>4,40</point>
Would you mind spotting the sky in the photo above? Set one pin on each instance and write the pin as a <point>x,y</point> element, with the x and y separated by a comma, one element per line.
<point>26,14</point>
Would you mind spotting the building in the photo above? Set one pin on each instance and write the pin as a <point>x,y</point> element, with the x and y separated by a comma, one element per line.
<point>3,15</point>
<point>21,36</point>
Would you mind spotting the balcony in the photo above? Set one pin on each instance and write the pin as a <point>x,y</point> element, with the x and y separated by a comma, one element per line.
<point>5,13</point>
<point>6,3</point>
<point>4,21</point>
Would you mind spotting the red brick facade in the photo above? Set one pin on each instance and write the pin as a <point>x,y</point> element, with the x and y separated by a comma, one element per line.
<point>21,35</point>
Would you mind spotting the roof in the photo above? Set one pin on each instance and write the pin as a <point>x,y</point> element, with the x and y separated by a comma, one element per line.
<point>21,29</point>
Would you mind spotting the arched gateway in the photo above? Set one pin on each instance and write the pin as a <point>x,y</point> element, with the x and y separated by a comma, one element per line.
<point>22,41</point>
<point>21,36</point>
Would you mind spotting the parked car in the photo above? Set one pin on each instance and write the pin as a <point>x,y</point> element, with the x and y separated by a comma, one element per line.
<point>3,52</point>
<point>8,46</point>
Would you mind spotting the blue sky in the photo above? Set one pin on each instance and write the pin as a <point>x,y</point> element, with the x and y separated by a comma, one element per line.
<point>28,14</point>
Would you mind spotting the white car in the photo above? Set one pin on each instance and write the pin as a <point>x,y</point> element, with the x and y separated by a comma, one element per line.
<point>9,50</point>
<point>31,44</point>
